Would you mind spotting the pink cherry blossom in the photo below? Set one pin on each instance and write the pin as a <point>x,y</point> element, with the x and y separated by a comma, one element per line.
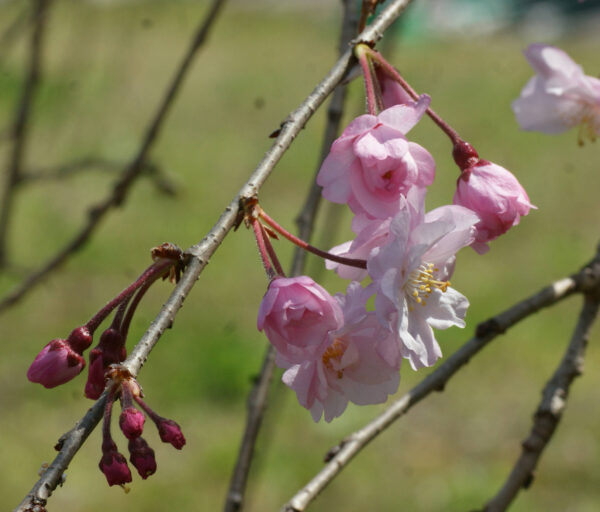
<point>56,364</point>
<point>297,314</point>
<point>349,368</point>
<point>372,233</point>
<point>391,91</point>
<point>496,196</point>
<point>560,96</point>
<point>371,165</point>
<point>410,277</point>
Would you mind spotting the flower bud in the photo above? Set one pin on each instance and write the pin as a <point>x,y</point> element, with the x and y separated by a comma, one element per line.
<point>56,364</point>
<point>142,457</point>
<point>131,422</point>
<point>170,432</point>
<point>113,465</point>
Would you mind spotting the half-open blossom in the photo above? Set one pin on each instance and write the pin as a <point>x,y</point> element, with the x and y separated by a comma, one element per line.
<point>560,96</point>
<point>113,464</point>
<point>56,364</point>
<point>142,457</point>
<point>371,165</point>
<point>410,274</point>
<point>391,91</point>
<point>349,368</point>
<point>496,196</point>
<point>297,314</point>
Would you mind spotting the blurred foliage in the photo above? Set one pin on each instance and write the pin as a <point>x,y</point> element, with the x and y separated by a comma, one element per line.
<point>106,66</point>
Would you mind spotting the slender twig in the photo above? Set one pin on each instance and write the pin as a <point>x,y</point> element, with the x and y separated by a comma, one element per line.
<point>20,127</point>
<point>257,399</point>
<point>550,409</point>
<point>120,190</point>
<point>70,169</point>
<point>343,453</point>
<point>199,254</point>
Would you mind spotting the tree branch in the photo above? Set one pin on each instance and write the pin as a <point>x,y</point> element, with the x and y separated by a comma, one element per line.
<point>199,254</point>
<point>119,192</point>
<point>338,457</point>
<point>64,171</point>
<point>19,130</point>
<point>550,409</point>
<point>257,399</point>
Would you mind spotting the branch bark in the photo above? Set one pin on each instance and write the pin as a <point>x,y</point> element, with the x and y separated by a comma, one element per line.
<point>339,456</point>
<point>20,126</point>
<point>257,400</point>
<point>120,190</point>
<point>550,409</point>
<point>199,254</point>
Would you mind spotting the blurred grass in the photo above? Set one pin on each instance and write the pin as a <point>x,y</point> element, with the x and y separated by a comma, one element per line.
<point>105,70</point>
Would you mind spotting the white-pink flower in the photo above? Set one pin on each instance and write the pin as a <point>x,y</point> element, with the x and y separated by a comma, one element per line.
<point>297,314</point>
<point>496,196</point>
<point>371,165</point>
<point>560,96</point>
<point>410,274</point>
<point>349,368</point>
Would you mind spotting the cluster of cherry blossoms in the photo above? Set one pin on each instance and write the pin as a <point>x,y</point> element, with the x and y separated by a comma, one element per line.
<point>62,360</point>
<point>334,349</point>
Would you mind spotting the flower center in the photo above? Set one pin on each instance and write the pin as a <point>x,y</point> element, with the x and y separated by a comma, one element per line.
<point>421,282</point>
<point>334,351</point>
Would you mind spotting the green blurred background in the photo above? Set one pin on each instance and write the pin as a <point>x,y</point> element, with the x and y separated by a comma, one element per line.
<point>106,65</point>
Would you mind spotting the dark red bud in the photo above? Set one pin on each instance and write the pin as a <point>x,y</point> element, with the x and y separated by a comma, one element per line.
<point>465,155</point>
<point>80,339</point>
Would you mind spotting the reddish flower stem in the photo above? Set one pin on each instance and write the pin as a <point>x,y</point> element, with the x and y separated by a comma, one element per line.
<point>307,247</point>
<point>136,300</point>
<point>107,415</point>
<point>98,318</point>
<point>152,415</point>
<point>271,252</point>
<point>262,248</point>
<point>393,73</point>
<point>374,101</point>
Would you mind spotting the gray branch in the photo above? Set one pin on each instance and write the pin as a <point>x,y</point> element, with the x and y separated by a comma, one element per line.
<point>550,409</point>
<point>338,457</point>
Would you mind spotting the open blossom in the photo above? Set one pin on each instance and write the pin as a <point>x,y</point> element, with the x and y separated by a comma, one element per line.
<point>372,233</point>
<point>410,275</point>
<point>560,96</point>
<point>349,368</point>
<point>496,196</point>
<point>371,165</point>
<point>297,314</point>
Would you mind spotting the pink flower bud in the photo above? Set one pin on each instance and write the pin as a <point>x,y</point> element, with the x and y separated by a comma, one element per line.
<point>142,457</point>
<point>131,422</point>
<point>170,432</point>
<point>297,315</point>
<point>56,364</point>
<point>496,196</point>
<point>113,465</point>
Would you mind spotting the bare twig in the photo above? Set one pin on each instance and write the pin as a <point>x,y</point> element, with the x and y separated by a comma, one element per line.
<point>20,125</point>
<point>199,254</point>
<point>64,171</point>
<point>257,400</point>
<point>550,409</point>
<point>585,280</point>
<point>119,192</point>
